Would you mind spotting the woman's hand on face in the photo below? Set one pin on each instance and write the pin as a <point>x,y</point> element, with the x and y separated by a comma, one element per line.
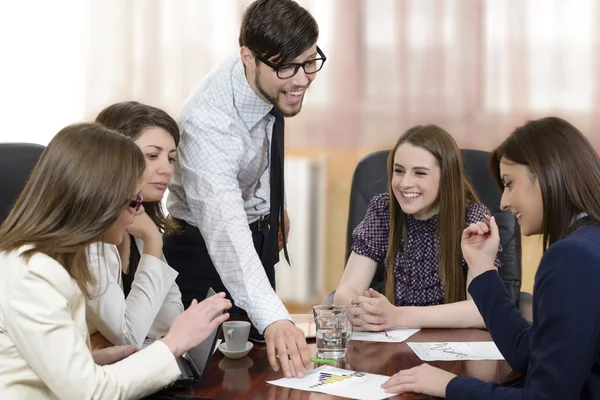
<point>479,245</point>
<point>144,228</point>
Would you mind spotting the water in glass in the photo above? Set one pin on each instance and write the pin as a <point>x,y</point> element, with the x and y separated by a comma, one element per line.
<point>334,329</point>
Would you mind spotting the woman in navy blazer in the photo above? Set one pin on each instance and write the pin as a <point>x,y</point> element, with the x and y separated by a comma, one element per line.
<point>550,176</point>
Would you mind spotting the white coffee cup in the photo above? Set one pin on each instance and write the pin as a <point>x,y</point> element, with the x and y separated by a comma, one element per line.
<point>236,334</point>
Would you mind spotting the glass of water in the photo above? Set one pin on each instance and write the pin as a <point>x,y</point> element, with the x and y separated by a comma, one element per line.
<point>334,329</point>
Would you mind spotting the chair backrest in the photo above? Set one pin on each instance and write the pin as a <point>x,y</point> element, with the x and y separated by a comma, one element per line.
<point>370,178</point>
<point>16,161</point>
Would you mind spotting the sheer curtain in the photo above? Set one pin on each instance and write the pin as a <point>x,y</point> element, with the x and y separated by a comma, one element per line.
<point>476,67</point>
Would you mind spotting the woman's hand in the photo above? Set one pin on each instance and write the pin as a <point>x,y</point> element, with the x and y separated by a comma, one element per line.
<point>144,228</point>
<point>423,379</point>
<point>372,312</point>
<point>196,323</point>
<point>479,245</point>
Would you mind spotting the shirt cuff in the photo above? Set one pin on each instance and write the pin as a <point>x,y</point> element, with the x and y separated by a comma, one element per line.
<point>481,285</point>
<point>263,323</point>
<point>459,388</point>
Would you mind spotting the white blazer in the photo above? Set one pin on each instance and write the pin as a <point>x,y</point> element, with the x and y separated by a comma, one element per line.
<point>45,346</point>
<point>151,306</point>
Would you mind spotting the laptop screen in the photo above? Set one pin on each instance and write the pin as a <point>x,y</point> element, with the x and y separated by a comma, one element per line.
<point>200,355</point>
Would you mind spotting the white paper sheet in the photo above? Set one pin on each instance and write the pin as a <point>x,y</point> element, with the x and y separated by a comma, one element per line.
<point>391,335</point>
<point>217,345</point>
<point>449,351</point>
<point>339,382</point>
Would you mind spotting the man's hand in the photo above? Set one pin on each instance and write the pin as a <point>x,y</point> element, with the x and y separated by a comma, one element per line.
<point>110,355</point>
<point>285,339</point>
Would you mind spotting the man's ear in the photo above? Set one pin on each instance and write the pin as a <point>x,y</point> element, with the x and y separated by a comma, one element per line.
<point>247,58</point>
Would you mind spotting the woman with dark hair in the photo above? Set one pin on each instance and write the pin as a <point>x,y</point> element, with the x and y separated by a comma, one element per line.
<point>138,296</point>
<point>415,229</point>
<point>551,179</point>
<point>84,189</point>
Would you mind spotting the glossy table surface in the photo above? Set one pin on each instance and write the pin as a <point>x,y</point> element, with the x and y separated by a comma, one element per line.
<point>247,378</point>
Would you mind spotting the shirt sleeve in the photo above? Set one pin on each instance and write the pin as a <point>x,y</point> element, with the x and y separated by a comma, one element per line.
<point>210,161</point>
<point>561,347</point>
<point>41,324</point>
<point>126,320</point>
<point>170,309</point>
<point>371,236</point>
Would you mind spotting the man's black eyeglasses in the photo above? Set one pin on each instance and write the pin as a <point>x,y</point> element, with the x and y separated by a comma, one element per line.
<point>286,71</point>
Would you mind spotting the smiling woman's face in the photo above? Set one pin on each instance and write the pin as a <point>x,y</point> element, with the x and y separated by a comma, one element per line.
<point>522,196</point>
<point>416,181</point>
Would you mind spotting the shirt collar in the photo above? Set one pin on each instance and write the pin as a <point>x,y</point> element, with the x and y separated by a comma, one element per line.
<point>251,108</point>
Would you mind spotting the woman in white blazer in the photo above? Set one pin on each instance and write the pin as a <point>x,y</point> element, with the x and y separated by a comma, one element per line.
<point>80,192</point>
<point>138,296</point>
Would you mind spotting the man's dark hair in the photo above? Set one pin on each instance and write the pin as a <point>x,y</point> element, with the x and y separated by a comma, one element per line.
<point>279,30</point>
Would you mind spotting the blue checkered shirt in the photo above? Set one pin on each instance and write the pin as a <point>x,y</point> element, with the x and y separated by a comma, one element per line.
<point>221,183</point>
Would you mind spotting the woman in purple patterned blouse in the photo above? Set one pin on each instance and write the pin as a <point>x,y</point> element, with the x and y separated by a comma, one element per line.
<point>415,229</point>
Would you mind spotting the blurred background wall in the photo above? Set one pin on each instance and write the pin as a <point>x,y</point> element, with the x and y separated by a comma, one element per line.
<point>478,68</point>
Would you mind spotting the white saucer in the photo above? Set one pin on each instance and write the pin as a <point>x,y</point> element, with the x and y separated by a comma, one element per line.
<point>235,354</point>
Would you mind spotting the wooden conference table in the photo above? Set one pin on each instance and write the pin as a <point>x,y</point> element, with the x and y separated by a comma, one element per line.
<point>247,378</point>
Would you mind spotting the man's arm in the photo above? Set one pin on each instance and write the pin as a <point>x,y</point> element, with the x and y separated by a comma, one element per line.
<point>210,163</point>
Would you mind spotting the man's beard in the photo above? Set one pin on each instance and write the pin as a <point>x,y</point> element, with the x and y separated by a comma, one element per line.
<point>275,101</point>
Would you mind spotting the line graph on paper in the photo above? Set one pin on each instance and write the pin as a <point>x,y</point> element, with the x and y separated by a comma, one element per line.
<point>448,351</point>
<point>395,335</point>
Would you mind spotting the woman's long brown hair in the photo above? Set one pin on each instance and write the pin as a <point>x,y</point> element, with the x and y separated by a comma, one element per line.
<point>566,166</point>
<point>131,119</point>
<point>83,181</point>
<point>455,193</point>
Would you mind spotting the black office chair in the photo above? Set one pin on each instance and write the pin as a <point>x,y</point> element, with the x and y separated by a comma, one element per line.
<point>16,163</point>
<point>370,178</point>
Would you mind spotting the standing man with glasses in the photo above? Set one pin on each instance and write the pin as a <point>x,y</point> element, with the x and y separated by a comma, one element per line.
<point>228,192</point>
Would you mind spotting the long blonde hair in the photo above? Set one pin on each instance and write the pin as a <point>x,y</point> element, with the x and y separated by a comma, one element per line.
<point>457,193</point>
<point>83,181</point>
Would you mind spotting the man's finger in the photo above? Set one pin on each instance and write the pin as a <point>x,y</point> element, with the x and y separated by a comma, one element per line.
<point>271,351</point>
<point>296,359</point>
<point>283,355</point>
<point>304,350</point>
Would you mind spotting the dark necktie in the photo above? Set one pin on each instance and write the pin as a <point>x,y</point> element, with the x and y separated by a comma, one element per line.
<point>276,218</point>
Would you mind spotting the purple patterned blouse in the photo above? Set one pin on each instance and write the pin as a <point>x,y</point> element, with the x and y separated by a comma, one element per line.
<point>418,281</point>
